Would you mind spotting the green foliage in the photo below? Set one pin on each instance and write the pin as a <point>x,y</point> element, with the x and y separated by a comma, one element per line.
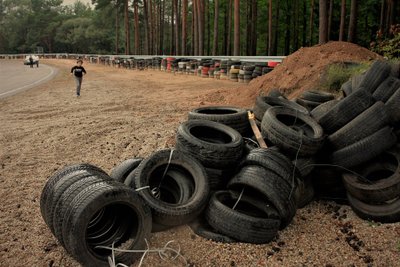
<point>337,74</point>
<point>389,47</point>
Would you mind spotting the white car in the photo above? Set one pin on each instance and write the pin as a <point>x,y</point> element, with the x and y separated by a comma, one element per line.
<point>35,60</point>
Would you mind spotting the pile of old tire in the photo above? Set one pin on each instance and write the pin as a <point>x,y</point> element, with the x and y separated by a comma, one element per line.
<point>86,209</point>
<point>313,98</point>
<point>234,72</point>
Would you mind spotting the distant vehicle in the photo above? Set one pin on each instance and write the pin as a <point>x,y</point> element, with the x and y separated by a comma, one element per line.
<point>35,60</point>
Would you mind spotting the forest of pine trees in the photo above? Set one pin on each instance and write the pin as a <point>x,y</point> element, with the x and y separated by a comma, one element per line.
<point>192,27</point>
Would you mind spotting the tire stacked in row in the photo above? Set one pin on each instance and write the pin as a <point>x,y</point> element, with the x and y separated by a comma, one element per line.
<point>85,208</point>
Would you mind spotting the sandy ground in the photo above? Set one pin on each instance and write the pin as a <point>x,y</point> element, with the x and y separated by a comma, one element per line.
<point>125,113</point>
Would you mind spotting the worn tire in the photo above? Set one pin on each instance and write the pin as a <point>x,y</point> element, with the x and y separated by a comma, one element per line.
<point>131,220</point>
<point>346,88</point>
<point>378,180</point>
<point>267,185</point>
<point>365,149</point>
<point>202,228</point>
<point>309,105</point>
<point>215,145</point>
<point>149,173</point>
<point>375,75</point>
<point>317,96</point>
<point>386,89</point>
<point>322,109</point>
<point>371,120</point>
<point>293,132</point>
<point>263,103</point>
<point>122,170</point>
<point>234,117</point>
<point>249,222</point>
<point>346,110</point>
<point>393,106</point>
<point>47,192</point>
<point>384,213</point>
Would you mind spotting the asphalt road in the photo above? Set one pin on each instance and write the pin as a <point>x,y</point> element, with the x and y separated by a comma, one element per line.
<point>16,77</point>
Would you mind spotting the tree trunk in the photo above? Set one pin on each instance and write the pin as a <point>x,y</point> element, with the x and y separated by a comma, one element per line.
<point>351,37</point>
<point>254,28</point>
<point>176,27</point>
<point>342,20</point>
<point>184,26</point>
<point>225,37</point>
<point>200,15</point>
<point>287,31</point>
<point>311,23</point>
<point>162,25</point>
<point>127,31</point>
<point>196,28</point>
<point>247,31</point>
<point>296,11</point>
<point>330,18</point>
<point>146,28</point>
<point>215,35</point>
<point>323,22</point>
<point>236,37</point>
<point>136,15</point>
<point>229,40</point>
<point>304,43</point>
<point>116,30</point>
<point>207,8</point>
<point>275,37</point>
<point>269,49</point>
<point>172,39</point>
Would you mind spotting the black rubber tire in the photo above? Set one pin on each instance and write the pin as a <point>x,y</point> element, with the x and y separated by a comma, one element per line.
<point>275,93</point>
<point>234,117</point>
<point>375,75</point>
<point>248,222</point>
<point>263,103</point>
<point>149,173</point>
<point>393,107</point>
<point>384,213</point>
<point>317,96</point>
<point>274,161</point>
<point>202,228</point>
<point>304,165</point>
<point>346,88</point>
<point>378,180</point>
<point>346,110</point>
<point>365,149</point>
<point>322,109</point>
<point>328,184</point>
<point>371,120</point>
<point>309,105</point>
<point>386,89</point>
<point>270,186</point>
<point>215,145</point>
<point>66,197</point>
<point>122,170</point>
<point>356,81</point>
<point>131,224</point>
<point>47,191</point>
<point>218,178</point>
<point>293,132</point>
<point>304,193</point>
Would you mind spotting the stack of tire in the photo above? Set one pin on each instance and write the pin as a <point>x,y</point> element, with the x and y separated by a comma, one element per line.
<point>246,72</point>
<point>85,208</point>
<point>258,70</point>
<point>234,72</point>
<point>255,193</point>
<point>223,70</point>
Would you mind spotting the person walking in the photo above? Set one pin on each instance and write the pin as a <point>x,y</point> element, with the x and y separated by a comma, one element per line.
<point>78,71</point>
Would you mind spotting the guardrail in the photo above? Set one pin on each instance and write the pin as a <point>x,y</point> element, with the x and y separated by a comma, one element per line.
<point>88,56</point>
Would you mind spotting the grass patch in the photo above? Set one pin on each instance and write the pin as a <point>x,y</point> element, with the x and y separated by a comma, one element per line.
<point>337,74</point>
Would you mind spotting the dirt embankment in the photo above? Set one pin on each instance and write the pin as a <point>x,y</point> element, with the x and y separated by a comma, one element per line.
<point>300,71</point>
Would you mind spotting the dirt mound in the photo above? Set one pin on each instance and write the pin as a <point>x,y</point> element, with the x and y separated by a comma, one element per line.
<point>300,71</point>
